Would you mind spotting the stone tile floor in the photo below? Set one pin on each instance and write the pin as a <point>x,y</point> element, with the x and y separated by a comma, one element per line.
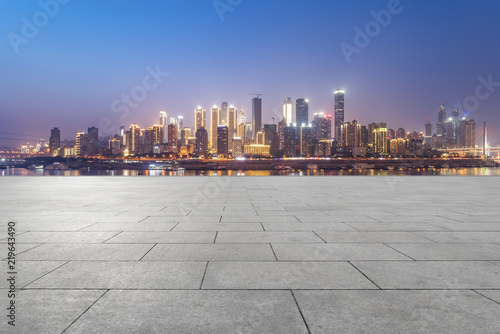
<point>253,254</point>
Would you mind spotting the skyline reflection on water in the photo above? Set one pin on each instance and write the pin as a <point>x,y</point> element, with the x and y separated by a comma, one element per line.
<point>480,171</point>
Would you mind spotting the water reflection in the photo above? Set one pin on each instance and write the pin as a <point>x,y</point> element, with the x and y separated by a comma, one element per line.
<point>483,171</point>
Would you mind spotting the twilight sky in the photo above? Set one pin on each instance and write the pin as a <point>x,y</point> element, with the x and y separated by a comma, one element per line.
<point>74,68</point>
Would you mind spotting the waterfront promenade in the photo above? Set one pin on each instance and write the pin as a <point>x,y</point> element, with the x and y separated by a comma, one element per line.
<point>350,254</point>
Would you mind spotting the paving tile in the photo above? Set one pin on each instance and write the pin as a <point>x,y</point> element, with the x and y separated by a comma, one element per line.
<point>370,237</point>
<point>284,275</point>
<point>211,252</point>
<point>28,271</point>
<point>395,227</point>
<point>48,311</point>
<point>387,312</point>
<point>186,312</point>
<point>449,251</point>
<point>492,294</point>
<point>431,274</point>
<point>199,227</point>
<point>335,252</point>
<point>86,252</point>
<point>64,237</point>
<point>267,237</point>
<point>494,227</point>
<point>60,226</point>
<point>136,227</point>
<point>461,237</point>
<point>124,275</point>
<point>298,226</point>
<point>162,237</point>
<point>162,219</point>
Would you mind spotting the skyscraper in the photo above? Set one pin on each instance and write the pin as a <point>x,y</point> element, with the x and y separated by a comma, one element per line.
<point>200,116</point>
<point>224,114</point>
<point>339,112</point>
<point>440,126</point>
<point>93,134</point>
<point>82,140</point>
<point>232,118</point>
<point>271,138</point>
<point>305,140</point>
<point>302,112</point>
<point>201,141</point>
<point>55,141</point>
<point>380,140</point>
<point>222,142</point>
<point>256,115</point>
<point>164,124</point>
<point>215,124</point>
<point>135,139</point>
<point>287,110</point>
<point>289,141</point>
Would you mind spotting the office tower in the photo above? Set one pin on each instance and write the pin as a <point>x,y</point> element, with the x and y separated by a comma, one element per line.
<point>289,141</point>
<point>213,129</point>
<point>287,110</point>
<point>180,125</point>
<point>164,125</point>
<point>260,138</point>
<point>400,133</point>
<point>232,118</point>
<point>114,146</point>
<point>222,140</point>
<point>468,133</point>
<point>302,112</point>
<point>242,118</point>
<point>185,134</point>
<point>201,141</point>
<point>81,146</point>
<point>134,139</point>
<point>380,140</point>
<point>321,126</point>
<point>398,146</point>
<point>223,116</point>
<point>339,112</point>
<point>271,138</point>
<point>148,140</point>
<point>172,135</point>
<point>55,141</point>
<point>391,134</point>
<point>485,142</point>
<point>440,127</point>
<point>256,115</point>
<point>248,131</point>
<point>428,132</point>
<point>122,130</point>
<point>157,135</point>
<point>281,134</point>
<point>305,140</point>
<point>237,148</point>
<point>351,136</point>
<point>200,116</point>
<point>93,134</point>
<point>242,132</point>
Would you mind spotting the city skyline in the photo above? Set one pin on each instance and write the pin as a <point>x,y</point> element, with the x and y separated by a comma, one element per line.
<point>73,75</point>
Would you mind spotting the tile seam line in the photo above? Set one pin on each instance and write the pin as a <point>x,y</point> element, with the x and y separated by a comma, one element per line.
<point>362,273</point>
<point>148,251</point>
<point>300,311</point>
<point>81,315</point>
<point>39,278</point>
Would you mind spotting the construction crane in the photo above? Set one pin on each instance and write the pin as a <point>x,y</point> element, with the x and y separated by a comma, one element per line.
<point>257,94</point>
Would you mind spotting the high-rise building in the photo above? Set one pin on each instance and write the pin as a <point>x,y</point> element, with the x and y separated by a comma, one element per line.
<point>339,112</point>
<point>164,125</point>
<point>380,140</point>
<point>180,125</point>
<point>302,112</point>
<point>242,118</point>
<point>172,135</point>
<point>468,133</point>
<point>237,148</point>
<point>222,140</point>
<point>305,140</point>
<point>81,146</point>
<point>201,141</point>
<point>157,139</point>
<point>321,126</point>
<point>400,133</point>
<point>271,138</point>
<point>242,132</point>
<point>288,110</point>
<point>93,134</point>
<point>213,128</point>
<point>55,141</point>
<point>256,115</point>
<point>398,146</point>
<point>122,130</point>
<point>281,134</point>
<point>232,118</point>
<point>289,141</point>
<point>440,126</point>
<point>135,139</point>
<point>223,116</point>
<point>200,116</point>
<point>350,136</point>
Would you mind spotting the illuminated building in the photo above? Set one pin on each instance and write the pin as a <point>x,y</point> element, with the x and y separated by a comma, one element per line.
<point>305,140</point>
<point>164,125</point>
<point>398,146</point>
<point>213,129</point>
<point>351,136</point>
<point>401,133</point>
<point>157,135</point>
<point>237,148</point>
<point>428,132</point>
<point>134,139</point>
<point>260,138</point>
<point>440,128</point>
<point>242,132</point>
<point>222,140</point>
<point>232,118</point>
<point>185,134</point>
<point>93,134</point>
<point>281,134</point>
<point>55,141</point>
<point>380,140</point>
<point>201,141</point>
<point>468,133</point>
<point>242,118</point>
<point>223,114</point>
<point>200,116</point>
<point>172,135</point>
<point>256,115</point>
<point>321,126</point>
<point>289,141</point>
<point>271,138</point>
<point>257,149</point>
<point>339,112</point>
<point>323,148</point>
<point>115,146</point>
<point>302,112</point>
<point>288,111</point>
<point>81,143</point>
